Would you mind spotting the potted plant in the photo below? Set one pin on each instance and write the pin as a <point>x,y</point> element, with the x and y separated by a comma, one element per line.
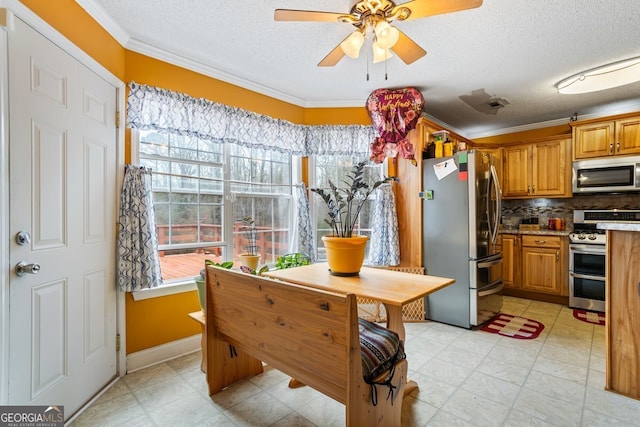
<point>200,281</point>
<point>250,257</point>
<point>345,250</point>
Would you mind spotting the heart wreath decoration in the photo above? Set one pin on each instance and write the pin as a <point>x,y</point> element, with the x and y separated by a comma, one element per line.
<point>394,114</point>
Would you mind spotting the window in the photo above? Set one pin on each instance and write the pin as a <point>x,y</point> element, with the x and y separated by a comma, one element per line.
<point>201,191</point>
<point>334,168</point>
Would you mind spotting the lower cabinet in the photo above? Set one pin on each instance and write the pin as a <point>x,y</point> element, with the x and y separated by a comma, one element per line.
<point>536,263</point>
<point>511,260</point>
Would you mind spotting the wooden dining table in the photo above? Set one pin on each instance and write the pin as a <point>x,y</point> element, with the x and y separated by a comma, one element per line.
<point>392,288</point>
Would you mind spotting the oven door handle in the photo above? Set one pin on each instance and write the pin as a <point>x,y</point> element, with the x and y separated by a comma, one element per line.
<point>491,289</point>
<point>489,262</point>
<point>587,249</point>
<point>585,276</point>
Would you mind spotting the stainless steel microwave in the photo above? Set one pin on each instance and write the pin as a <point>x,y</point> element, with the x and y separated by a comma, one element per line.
<point>607,175</point>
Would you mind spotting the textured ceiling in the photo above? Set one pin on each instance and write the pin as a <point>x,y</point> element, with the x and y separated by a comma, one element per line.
<point>510,51</point>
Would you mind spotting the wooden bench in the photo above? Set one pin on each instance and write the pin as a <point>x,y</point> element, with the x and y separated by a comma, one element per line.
<point>309,334</point>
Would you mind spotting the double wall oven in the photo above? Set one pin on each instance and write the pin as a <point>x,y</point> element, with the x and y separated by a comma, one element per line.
<point>588,256</point>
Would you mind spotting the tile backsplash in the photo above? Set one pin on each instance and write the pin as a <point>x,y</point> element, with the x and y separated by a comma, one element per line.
<point>563,208</point>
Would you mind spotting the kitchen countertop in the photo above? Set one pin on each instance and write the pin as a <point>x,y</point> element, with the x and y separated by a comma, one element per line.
<point>619,226</point>
<point>542,232</point>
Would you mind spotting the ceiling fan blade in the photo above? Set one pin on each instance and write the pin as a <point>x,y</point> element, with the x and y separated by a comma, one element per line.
<point>422,8</point>
<point>407,50</point>
<point>332,58</point>
<point>306,15</point>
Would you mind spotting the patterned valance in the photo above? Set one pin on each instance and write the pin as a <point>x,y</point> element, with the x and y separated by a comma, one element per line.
<point>152,108</point>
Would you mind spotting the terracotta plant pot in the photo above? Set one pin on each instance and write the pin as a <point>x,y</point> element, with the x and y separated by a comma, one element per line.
<point>250,261</point>
<point>345,255</point>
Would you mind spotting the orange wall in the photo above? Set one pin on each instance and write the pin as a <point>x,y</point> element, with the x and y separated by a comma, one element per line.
<point>74,23</point>
<point>336,116</point>
<point>145,70</point>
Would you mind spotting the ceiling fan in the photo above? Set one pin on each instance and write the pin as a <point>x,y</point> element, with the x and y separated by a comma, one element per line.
<point>372,19</point>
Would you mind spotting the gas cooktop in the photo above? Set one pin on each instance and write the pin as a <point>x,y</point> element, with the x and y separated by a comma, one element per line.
<point>585,224</point>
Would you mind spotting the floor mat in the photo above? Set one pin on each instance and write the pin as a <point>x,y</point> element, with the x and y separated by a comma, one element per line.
<point>514,327</point>
<point>589,316</point>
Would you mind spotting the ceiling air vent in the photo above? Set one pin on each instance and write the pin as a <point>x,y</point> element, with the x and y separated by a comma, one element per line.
<point>481,101</point>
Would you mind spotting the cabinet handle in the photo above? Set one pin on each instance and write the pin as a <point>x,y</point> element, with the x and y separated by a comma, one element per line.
<point>618,147</point>
<point>534,188</point>
<point>611,148</point>
<point>541,242</point>
<point>557,256</point>
<point>529,189</point>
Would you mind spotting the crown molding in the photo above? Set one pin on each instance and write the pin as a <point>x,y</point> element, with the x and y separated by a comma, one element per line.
<point>101,17</point>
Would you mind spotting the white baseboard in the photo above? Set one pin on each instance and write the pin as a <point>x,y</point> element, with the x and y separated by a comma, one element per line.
<point>162,353</point>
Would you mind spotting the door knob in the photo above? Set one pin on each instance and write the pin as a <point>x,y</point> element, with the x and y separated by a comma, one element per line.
<point>23,268</point>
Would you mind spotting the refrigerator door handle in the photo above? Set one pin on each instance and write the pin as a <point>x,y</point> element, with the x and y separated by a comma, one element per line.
<point>493,228</point>
<point>494,288</point>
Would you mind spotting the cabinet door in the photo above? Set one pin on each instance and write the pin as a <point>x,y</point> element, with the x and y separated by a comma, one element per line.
<point>628,136</point>
<point>510,258</point>
<point>593,140</point>
<point>541,270</point>
<point>516,171</point>
<point>550,169</point>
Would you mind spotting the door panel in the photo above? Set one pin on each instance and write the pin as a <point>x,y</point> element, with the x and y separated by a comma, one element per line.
<point>62,182</point>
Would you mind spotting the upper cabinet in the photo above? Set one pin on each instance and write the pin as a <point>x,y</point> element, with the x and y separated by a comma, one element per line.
<point>612,137</point>
<point>537,169</point>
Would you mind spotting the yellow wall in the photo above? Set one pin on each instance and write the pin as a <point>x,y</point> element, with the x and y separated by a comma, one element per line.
<point>145,70</point>
<point>74,23</point>
<point>336,116</point>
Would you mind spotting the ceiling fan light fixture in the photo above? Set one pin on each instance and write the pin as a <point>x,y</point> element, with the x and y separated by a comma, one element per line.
<point>386,35</point>
<point>352,44</point>
<point>604,77</point>
<point>380,54</point>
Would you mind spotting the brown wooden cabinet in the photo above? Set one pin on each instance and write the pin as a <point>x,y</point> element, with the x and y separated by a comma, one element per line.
<point>539,169</point>
<point>603,138</point>
<point>535,264</point>
<point>511,260</point>
<point>544,264</point>
<point>623,313</point>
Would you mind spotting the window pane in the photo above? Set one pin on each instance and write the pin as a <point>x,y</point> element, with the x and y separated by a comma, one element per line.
<point>336,169</point>
<point>189,200</point>
<point>272,218</point>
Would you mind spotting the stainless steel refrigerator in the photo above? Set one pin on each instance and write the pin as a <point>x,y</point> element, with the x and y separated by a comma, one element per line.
<point>461,214</point>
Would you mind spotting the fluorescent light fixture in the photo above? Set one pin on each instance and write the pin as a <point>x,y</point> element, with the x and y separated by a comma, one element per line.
<point>352,44</point>
<point>604,77</point>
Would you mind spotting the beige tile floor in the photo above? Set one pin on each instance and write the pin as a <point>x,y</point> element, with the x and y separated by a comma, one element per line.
<point>466,378</point>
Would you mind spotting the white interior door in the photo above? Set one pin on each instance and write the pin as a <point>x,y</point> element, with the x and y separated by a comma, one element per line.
<point>62,195</point>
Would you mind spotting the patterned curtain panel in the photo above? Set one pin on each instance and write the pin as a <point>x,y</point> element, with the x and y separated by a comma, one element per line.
<point>138,262</point>
<point>384,247</point>
<point>302,238</point>
<point>152,108</point>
